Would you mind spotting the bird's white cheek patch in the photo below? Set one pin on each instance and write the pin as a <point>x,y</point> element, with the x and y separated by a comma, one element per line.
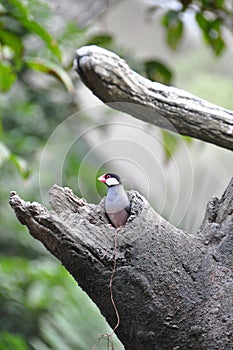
<point>112,181</point>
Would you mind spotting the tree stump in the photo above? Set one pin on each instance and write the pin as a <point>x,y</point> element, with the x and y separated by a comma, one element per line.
<point>173,290</point>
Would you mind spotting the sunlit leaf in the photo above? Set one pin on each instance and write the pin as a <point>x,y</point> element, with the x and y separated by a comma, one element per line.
<point>51,68</point>
<point>7,76</point>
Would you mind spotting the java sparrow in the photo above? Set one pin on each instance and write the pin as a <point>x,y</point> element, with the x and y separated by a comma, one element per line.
<point>117,204</point>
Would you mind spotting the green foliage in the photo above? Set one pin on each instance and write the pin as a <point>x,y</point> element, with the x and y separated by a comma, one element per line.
<point>10,341</point>
<point>17,25</point>
<point>11,48</point>
<point>21,15</point>
<point>19,163</point>
<point>41,306</point>
<point>7,76</point>
<point>170,143</point>
<point>157,71</point>
<point>174,26</point>
<point>211,29</point>
<point>211,16</point>
<point>37,304</point>
<point>103,40</point>
<point>49,67</point>
<point>4,153</point>
<point>37,296</point>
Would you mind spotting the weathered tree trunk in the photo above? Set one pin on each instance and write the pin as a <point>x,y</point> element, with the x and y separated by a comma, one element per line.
<point>173,290</point>
<point>110,79</point>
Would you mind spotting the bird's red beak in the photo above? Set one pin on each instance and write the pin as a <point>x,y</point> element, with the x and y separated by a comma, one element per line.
<point>102,178</point>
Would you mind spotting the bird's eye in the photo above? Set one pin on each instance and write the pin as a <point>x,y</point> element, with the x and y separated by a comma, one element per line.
<point>107,176</point>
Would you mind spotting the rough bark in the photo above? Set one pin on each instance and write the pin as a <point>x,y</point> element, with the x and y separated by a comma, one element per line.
<point>173,290</point>
<point>110,79</point>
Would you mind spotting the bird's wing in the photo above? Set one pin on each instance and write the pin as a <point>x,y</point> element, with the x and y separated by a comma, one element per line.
<point>128,208</point>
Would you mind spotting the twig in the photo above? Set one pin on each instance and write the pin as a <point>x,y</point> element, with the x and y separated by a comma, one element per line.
<point>108,336</point>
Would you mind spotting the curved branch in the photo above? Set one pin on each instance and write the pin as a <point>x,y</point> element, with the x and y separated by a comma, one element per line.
<point>110,79</point>
<point>172,290</point>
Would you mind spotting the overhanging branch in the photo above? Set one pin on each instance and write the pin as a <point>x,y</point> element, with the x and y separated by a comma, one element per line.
<point>110,79</point>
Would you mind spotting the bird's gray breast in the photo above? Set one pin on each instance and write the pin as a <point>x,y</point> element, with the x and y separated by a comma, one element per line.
<point>116,199</point>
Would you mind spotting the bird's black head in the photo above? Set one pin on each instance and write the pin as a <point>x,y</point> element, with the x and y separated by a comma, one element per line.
<point>110,179</point>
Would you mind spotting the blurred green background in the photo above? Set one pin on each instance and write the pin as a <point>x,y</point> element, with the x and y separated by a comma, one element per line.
<point>47,118</point>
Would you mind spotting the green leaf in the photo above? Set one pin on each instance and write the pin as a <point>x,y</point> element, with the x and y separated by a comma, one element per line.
<point>213,4</point>
<point>102,40</point>
<point>174,26</point>
<point>218,45</point>
<point>202,21</point>
<point>10,341</point>
<point>157,71</point>
<point>187,139</point>
<point>4,153</point>
<point>22,14</point>
<point>170,143</point>
<point>51,68</point>
<point>45,36</point>
<point>18,8</point>
<point>174,34</point>
<point>220,3</point>
<point>7,76</point>
<point>211,29</point>
<point>21,165</point>
<point>13,41</point>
